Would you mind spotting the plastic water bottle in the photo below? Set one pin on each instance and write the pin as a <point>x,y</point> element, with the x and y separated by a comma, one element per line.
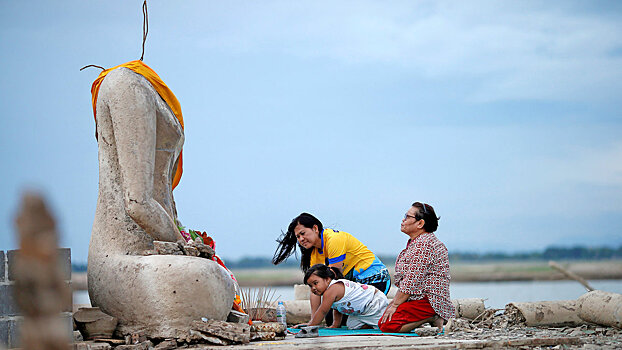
<point>281,314</point>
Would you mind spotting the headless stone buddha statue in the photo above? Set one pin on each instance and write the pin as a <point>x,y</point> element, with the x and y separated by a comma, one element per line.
<point>139,143</point>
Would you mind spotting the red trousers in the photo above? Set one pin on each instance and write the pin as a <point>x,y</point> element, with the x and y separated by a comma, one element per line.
<point>408,312</point>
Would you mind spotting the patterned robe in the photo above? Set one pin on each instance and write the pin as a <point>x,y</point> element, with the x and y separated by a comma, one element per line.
<point>422,270</point>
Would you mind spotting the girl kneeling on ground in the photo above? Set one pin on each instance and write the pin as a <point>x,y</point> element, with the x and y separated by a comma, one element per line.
<point>363,304</point>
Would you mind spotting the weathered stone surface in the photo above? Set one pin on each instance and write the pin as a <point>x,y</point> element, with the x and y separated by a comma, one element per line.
<point>88,345</point>
<point>469,307</point>
<point>112,341</point>
<point>198,336</point>
<point>236,332</point>
<point>146,345</point>
<point>298,311</point>
<point>190,250</point>
<point>546,313</point>
<point>426,331</point>
<point>167,248</point>
<point>167,344</point>
<point>302,292</point>
<point>136,338</point>
<point>205,251</point>
<point>139,142</point>
<point>94,324</point>
<point>2,266</point>
<point>600,307</point>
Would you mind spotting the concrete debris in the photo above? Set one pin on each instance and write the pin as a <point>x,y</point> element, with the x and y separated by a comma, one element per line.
<point>502,330</point>
<point>146,345</point>
<point>601,307</point>
<point>167,248</point>
<point>469,307</point>
<point>87,345</point>
<point>167,344</point>
<point>545,313</point>
<point>205,251</point>
<point>93,323</point>
<point>235,332</point>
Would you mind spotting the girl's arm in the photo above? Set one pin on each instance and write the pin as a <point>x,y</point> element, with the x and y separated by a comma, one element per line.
<point>333,293</point>
<point>315,300</point>
<point>336,319</point>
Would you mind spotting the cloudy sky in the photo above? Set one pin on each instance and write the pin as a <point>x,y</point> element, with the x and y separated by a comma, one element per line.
<point>503,115</point>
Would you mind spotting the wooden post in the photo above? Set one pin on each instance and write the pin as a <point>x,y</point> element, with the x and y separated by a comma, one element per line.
<point>571,275</point>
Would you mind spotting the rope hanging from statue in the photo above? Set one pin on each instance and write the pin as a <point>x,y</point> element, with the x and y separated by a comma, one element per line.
<point>145,27</point>
<point>145,32</point>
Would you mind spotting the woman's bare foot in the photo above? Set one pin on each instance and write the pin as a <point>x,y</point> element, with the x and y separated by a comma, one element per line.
<point>438,322</point>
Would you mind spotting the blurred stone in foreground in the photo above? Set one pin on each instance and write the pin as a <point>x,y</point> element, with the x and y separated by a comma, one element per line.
<point>40,290</point>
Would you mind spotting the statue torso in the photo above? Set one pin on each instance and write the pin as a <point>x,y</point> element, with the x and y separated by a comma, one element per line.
<point>113,227</point>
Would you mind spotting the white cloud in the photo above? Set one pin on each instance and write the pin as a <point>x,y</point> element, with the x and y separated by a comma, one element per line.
<point>515,50</point>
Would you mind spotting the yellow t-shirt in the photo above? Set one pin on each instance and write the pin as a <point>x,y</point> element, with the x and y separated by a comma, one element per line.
<point>338,246</point>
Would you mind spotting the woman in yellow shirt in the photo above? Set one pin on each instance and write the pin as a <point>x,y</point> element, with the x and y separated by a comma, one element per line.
<point>319,245</point>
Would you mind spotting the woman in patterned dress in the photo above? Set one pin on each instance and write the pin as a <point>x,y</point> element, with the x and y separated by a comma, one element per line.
<point>422,276</point>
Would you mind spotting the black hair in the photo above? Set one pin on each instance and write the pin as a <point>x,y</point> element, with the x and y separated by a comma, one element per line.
<point>323,271</point>
<point>288,242</point>
<point>426,212</point>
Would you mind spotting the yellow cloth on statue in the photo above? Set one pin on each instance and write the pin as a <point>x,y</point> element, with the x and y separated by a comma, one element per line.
<point>167,95</point>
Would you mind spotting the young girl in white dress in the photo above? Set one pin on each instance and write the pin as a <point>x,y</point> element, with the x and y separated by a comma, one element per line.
<point>363,304</point>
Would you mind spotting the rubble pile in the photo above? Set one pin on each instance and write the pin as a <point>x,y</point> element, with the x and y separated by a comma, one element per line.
<point>509,328</point>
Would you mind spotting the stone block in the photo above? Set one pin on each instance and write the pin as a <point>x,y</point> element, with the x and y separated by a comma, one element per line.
<point>7,302</point>
<point>4,333</point>
<point>14,332</point>
<point>68,307</point>
<point>2,266</point>
<point>10,262</point>
<point>64,261</point>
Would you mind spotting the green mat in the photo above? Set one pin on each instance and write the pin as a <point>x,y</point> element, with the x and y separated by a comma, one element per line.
<point>331,332</point>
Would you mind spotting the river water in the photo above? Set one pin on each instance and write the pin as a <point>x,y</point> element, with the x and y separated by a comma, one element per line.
<point>497,294</point>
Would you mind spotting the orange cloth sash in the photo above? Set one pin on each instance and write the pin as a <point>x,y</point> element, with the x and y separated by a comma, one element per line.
<point>167,95</point>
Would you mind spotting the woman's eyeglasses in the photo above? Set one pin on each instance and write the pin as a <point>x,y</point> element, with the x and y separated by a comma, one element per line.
<point>406,216</point>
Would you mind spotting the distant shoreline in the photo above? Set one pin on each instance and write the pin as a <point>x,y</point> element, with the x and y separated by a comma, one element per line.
<point>460,272</point>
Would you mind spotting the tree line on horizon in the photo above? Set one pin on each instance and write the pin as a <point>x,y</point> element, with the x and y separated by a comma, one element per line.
<point>550,253</point>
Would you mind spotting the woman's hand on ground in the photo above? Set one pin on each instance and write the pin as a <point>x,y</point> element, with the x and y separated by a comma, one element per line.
<point>334,326</point>
<point>300,325</point>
